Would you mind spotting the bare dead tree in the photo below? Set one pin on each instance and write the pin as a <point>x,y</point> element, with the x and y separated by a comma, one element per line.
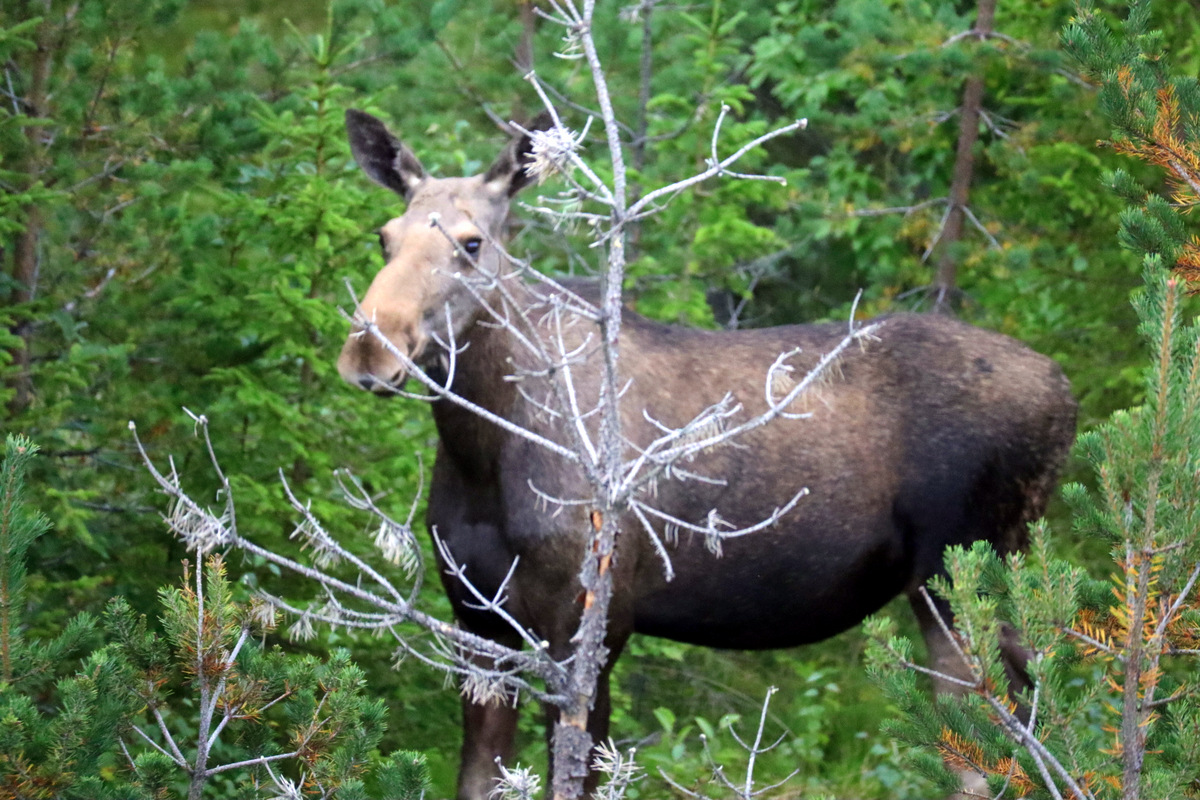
<point>608,476</point>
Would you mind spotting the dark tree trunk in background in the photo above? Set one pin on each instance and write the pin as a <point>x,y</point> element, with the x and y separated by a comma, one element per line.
<point>524,54</point>
<point>945,281</point>
<point>642,120</point>
<point>26,254</point>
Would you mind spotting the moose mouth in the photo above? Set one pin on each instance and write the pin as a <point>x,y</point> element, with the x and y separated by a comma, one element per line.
<point>436,368</point>
<point>381,388</point>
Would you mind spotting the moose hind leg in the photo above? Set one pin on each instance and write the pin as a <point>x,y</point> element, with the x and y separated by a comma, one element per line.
<point>953,676</point>
<point>951,672</point>
<point>1001,506</point>
<point>944,658</point>
<point>1015,656</point>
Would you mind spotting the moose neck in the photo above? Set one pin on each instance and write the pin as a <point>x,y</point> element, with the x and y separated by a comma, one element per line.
<point>480,372</point>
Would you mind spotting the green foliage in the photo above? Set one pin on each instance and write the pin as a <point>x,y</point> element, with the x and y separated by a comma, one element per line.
<point>679,702</point>
<point>278,718</point>
<point>1112,660</point>
<point>1113,702</point>
<point>206,709</point>
<point>198,260</point>
<point>402,776</point>
<point>62,754</point>
<point>882,85</point>
<point>154,292</point>
<point>197,214</point>
<point>1156,118</point>
<point>18,530</point>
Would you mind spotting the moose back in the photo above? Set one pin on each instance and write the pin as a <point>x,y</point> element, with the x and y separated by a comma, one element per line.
<point>935,433</point>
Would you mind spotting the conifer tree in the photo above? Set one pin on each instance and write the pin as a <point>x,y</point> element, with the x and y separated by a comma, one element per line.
<point>260,720</point>
<point>62,754</point>
<point>205,710</point>
<point>1113,708</point>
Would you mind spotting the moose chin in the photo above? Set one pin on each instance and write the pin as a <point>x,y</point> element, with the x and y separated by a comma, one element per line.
<point>933,434</point>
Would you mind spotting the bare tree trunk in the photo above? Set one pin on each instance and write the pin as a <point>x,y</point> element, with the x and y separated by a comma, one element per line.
<point>24,272</point>
<point>946,279</point>
<point>645,75</point>
<point>25,253</point>
<point>572,742</point>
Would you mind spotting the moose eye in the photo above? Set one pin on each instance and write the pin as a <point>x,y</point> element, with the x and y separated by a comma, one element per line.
<point>472,245</point>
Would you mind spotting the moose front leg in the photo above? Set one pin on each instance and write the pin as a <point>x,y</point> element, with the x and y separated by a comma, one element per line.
<point>489,728</point>
<point>489,731</point>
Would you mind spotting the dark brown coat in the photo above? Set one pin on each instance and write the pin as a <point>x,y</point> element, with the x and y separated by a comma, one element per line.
<point>933,433</point>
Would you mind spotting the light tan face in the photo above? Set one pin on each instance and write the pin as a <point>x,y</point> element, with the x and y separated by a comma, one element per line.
<point>426,294</point>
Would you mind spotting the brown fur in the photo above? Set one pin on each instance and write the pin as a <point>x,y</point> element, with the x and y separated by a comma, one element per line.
<point>933,434</point>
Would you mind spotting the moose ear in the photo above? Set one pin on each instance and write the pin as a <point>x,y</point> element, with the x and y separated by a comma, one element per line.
<point>381,155</point>
<point>509,170</point>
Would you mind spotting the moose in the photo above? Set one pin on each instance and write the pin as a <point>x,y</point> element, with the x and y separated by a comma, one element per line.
<point>935,433</point>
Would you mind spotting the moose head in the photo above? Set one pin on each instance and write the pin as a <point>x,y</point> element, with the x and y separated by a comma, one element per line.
<point>438,255</point>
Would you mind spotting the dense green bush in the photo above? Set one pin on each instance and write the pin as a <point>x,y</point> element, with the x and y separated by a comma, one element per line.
<point>203,710</point>
<point>1112,710</point>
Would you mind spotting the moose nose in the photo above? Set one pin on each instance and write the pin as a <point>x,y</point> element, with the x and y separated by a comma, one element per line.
<point>367,382</point>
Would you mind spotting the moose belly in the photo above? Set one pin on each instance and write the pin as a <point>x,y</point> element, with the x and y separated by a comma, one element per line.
<point>773,592</point>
